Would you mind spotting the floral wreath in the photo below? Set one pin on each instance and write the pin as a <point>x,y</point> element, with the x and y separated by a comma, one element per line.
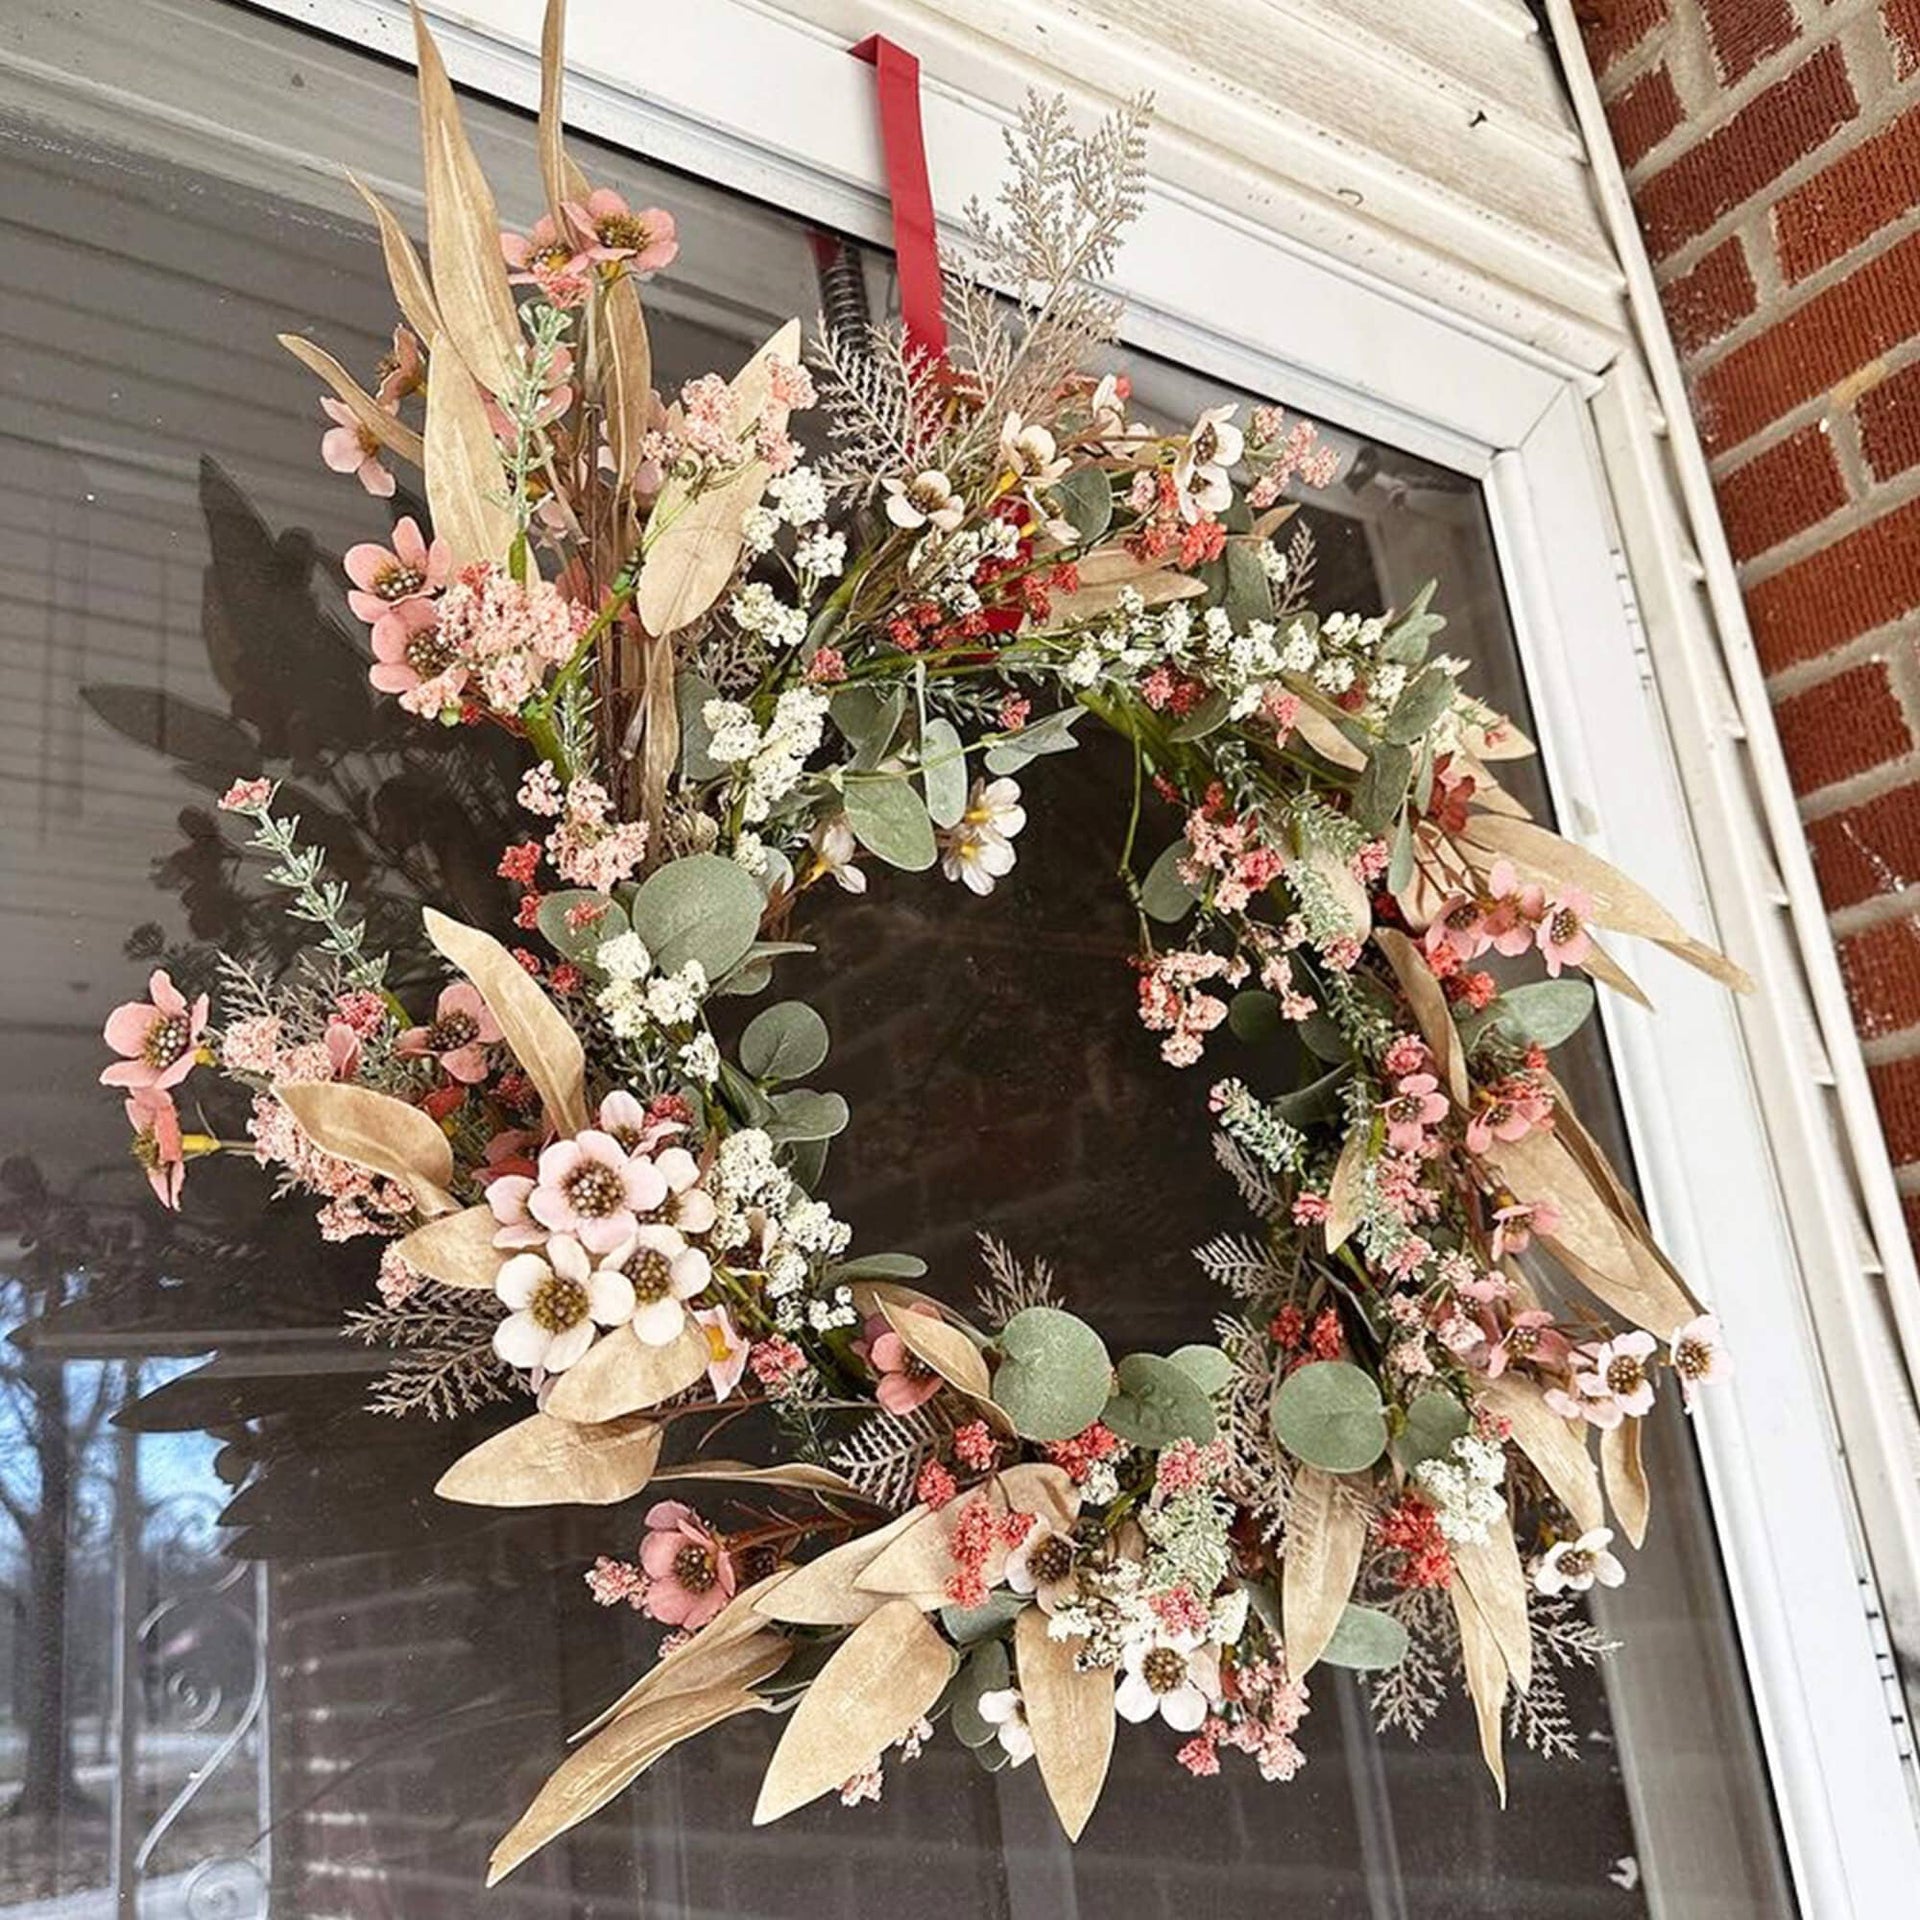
<point>738,675</point>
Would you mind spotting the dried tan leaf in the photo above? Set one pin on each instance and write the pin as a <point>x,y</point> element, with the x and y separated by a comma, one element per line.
<point>1509,743</point>
<point>1491,1572</point>
<point>1267,524</point>
<point>1554,1445</point>
<point>797,1474</point>
<point>694,538</point>
<point>920,1562</point>
<point>457,1249</point>
<point>412,291</point>
<point>1610,973</point>
<point>621,1374</point>
<point>1626,1474</point>
<point>1107,573</point>
<point>392,432</point>
<point>886,1674</point>
<point>1487,790</point>
<point>544,1462</point>
<point>1618,902</point>
<point>465,480</point>
<point>1345,1191</point>
<point>1430,1010</point>
<point>659,716</point>
<point>626,395</point>
<point>822,1593</point>
<point>943,1347</point>
<point>381,1134</point>
<point>558,174</point>
<point>1486,1681</point>
<point>1070,1715</point>
<point>1326,1532</point>
<point>1326,739</point>
<point>463,235</point>
<point>586,1780</point>
<point>540,1035</point>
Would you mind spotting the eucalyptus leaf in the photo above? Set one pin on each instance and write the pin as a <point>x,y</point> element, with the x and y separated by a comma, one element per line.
<point>877,1266</point>
<point>1435,1420</point>
<point>1544,1012</point>
<point>1164,896</point>
<point>1318,1100</point>
<point>744,1096</point>
<point>1323,1037</point>
<point>1254,1016</point>
<point>987,1670</point>
<point>691,692</point>
<point>748,978</point>
<point>1157,1402</point>
<point>1329,1414</point>
<point>1054,1374</point>
<point>1405,643</point>
<point>1400,861</point>
<point>890,820</point>
<point>580,943</point>
<point>1208,717</point>
<point>1249,595</point>
<point>943,772</point>
<point>1054,734</point>
<point>1382,788</point>
<point>1424,700</point>
<point>1084,499</point>
<point>785,1041</point>
<point>965,1626</point>
<point>869,717</point>
<point>805,1114</point>
<point>807,1162</point>
<point>1367,1639</point>
<point>699,908</point>
<point>1207,1367</point>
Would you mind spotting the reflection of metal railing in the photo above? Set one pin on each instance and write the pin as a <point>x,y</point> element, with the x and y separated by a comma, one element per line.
<point>169,1680</point>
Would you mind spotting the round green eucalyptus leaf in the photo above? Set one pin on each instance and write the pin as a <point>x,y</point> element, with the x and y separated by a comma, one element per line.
<point>1207,1367</point>
<point>1163,894</point>
<point>1054,1374</point>
<point>784,1041</point>
<point>1328,1413</point>
<point>805,1114</point>
<point>1156,1403</point>
<point>1366,1638</point>
<point>699,908</point>
<point>878,1266</point>
<point>943,772</point>
<point>987,1670</point>
<point>599,919</point>
<point>964,1626</point>
<point>1254,1016</point>
<point>890,820</point>
<point>1435,1420</point>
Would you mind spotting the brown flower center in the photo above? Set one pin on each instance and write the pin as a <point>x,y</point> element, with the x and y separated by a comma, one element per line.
<point>1575,1564</point>
<point>558,1303</point>
<point>595,1191</point>
<point>1051,1561</point>
<point>623,230</point>
<point>1694,1358</point>
<point>1562,926</point>
<point>1404,1110</point>
<point>1523,1342</point>
<point>430,652</point>
<point>168,1037</point>
<point>928,494</point>
<point>1460,917</point>
<point>398,581</point>
<point>1624,1374</point>
<point>553,259</point>
<point>451,1032</point>
<point>1164,1670</point>
<point>694,1568</point>
<point>651,1275</point>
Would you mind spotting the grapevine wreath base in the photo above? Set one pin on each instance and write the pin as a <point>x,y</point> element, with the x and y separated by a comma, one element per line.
<point>744,678</point>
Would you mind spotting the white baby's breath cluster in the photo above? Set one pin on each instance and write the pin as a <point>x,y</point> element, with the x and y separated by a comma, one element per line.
<point>767,1220</point>
<point>1464,1488</point>
<point>767,764</point>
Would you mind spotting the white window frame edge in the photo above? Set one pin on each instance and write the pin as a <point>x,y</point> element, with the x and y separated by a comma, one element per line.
<point>1741,1172</point>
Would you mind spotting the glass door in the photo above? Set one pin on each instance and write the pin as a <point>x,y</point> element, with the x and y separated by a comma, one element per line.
<point>255,1666</point>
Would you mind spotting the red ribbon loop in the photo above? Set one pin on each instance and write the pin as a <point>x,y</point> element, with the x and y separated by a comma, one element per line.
<point>915,243</point>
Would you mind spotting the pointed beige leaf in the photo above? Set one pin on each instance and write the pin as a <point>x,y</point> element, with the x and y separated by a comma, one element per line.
<point>1492,1574</point>
<point>1345,1191</point>
<point>1430,1010</point>
<point>621,1374</point>
<point>465,480</point>
<point>540,1035</point>
<point>1326,1532</point>
<point>1505,742</point>
<point>412,291</point>
<point>658,715</point>
<point>544,1462</point>
<point>1618,902</point>
<point>797,1474</point>
<point>1610,973</point>
<point>1486,1681</point>
<point>392,432</point>
<point>381,1134</point>
<point>822,1593</point>
<point>1070,1715</point>
<point>1626,1474</point>
<point>1326,739</point>
<point>920,1562</point>
<point>558,174</point>
<point>1109,572</point>
<point>694,537</point>
<point>886,1674</point>
<point>463,234</point>
<point>1557,1447</point>
<point>943,1347</point>
<point>457,1249</point>
<point>1487,790</point>
<point>587,1779</point>
<point>627,372</point>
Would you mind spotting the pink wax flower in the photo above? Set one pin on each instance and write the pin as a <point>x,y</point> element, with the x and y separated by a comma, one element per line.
<point>1611,1380</point>
<point>1699,1356</point>
<point>636,1126</point>
<point>1529,1336</point>
<point>247,796</point>
<point>543,257</point>
<point>347,447</point>
<point>410,651</point>
<point>158,1037</point>
<point>592,1188</point>
<point>609,230</point>
<point>665,1273</point>
<point>1562,932</point>
<point>461,1031</point>
<point>692,1573</point>
<point>902,1382</point>
<point>727,1348</point>
<point>157,1144</point>
<point>1417,1105</point>
<point>384,576</point>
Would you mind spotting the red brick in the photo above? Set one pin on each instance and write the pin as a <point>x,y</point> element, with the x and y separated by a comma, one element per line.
<point>1850,201</point>
<point>1779,493</point>
<point>1791,119</point>
<point>1849,588</point>
<point>1841,727</point>
<point>1865,851</point>
<point>1882,970</point>
<point>1889,420</point>
<point>1712,299</point>
<point>1896,1092</point>
<point>1643,115</point>
<point>1611,28</point>
<point>1824,339</point>
<point>1744,32</point>
<point>1901,19</point>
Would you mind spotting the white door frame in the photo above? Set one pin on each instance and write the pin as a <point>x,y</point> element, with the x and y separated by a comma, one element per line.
<point>759,102</point>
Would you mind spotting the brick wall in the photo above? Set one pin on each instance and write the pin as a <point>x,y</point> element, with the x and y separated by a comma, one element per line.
<point>1773,151</point>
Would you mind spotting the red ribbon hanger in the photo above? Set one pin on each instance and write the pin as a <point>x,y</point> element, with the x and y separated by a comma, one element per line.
<point>915,243</point>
